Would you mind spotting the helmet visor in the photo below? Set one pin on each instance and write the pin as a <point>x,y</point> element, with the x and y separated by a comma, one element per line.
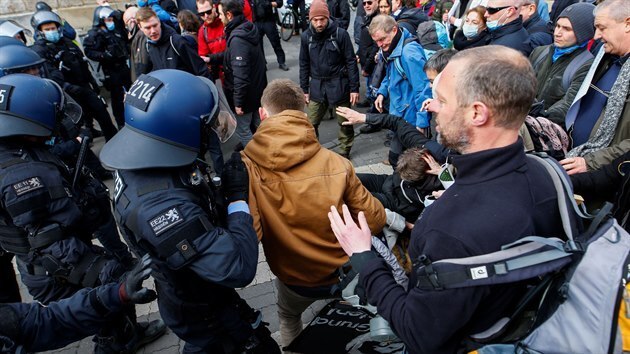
<point>72,110</point>
<point>221,120</point>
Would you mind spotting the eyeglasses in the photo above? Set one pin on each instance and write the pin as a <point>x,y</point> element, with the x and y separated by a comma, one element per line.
<point>203,13</point>
<point>494,10</point>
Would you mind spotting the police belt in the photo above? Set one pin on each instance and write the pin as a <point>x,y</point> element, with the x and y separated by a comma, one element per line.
<point>85,273</point>
<point>14,240</point>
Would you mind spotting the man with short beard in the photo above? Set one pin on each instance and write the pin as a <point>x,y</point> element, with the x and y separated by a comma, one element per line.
<point>498,197</point>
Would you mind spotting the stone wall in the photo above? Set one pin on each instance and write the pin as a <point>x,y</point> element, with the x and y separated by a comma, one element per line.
<point>77,12</point>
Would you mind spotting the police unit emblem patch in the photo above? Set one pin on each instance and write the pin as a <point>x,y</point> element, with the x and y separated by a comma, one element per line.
<point>165,220</point>
<point>28,185</point>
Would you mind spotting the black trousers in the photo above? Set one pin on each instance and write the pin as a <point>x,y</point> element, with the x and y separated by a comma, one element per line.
<point>117,81</point>
<point>93,108</point>
<point>9,289</point>
<point>299,6</point>
<point>270,29</point>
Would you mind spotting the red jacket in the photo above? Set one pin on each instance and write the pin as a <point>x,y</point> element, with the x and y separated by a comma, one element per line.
<point>211,38</point>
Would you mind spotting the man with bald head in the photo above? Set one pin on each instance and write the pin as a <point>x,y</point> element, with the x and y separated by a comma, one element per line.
<point>505,23</point>
<point>498,197</point>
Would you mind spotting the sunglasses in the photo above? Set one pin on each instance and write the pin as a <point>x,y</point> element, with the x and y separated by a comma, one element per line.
<point>202,14</point>
<point>494,10</point>
<point>368,3</point>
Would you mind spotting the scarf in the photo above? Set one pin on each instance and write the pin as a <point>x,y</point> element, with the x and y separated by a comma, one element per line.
<point>612,113</point>
<point>558,52</point>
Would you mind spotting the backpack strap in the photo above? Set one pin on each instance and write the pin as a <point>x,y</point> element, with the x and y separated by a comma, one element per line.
<point>573,66</point>
<point>527,258</point>
<point>398,62</point>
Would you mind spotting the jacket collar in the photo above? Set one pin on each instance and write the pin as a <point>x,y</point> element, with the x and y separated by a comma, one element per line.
<point>531,21</point>
<point>236,21</point>
<point>397,52</point>
<point>508,28</point>
<point>487,165</point>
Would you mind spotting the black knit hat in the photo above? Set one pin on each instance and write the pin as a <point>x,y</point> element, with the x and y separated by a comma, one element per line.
<point>582,20</point>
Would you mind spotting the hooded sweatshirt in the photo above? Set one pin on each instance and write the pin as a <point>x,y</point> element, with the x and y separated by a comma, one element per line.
<point>293,183</point>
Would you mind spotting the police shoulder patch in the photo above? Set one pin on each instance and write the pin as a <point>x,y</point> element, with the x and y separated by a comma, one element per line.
<point>165,220</point>
<point>28,185</point>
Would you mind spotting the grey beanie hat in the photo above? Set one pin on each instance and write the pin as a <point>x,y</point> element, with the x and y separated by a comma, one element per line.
<point>582,20</point>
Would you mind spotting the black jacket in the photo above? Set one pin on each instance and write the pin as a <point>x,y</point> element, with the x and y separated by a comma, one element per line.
<point>540,32</point>
<point>406,198</point>
<point>264,12</point>
<point>367,46</point>
<point>244,65</point>
<point>499,196</point>
<point>108,48</point>
<point>173,52</point>
<point>408,135</point>
<point>411,18</point>
<point>339,12</point>
<point>65,63</point>
<point>512,35</point>
<point>328,65</point>
<point>460,42</point>
<point>610,183</point>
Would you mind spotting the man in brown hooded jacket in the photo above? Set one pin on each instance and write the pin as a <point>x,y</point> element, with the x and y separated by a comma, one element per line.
<point>293,180</point>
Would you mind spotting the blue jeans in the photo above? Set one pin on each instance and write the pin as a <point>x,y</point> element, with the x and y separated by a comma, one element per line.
<point>246,126</point>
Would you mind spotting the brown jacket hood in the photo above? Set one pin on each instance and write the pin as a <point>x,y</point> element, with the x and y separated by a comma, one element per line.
<point>283,141</point>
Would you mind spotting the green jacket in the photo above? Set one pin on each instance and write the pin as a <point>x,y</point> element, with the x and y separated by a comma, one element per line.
<point>557,99</point>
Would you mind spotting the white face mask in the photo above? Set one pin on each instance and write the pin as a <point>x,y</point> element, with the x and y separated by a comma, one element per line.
<point>470,30</point>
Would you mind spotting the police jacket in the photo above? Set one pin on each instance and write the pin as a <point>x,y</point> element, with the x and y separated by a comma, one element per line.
<point>499,196</point>
<point>197,262</point>
<point>108,48</point>
<point>43,224</point>
<point>244,65</point>
<point>512,35</point>
<point>171,51</point>
<point>339,12</point>
<point>367,47</point>
<point>328,65</point>
<point>65,62</point>
<point>34,328</point>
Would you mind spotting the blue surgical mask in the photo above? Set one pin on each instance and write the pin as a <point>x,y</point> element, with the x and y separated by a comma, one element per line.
<point>492,25</point>
<point>470,30</point>
<point>52,36</point>
<point>110,26</point>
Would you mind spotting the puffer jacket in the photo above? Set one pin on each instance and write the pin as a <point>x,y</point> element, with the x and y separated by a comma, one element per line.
<point>293,183</point>
<point>406,94</point>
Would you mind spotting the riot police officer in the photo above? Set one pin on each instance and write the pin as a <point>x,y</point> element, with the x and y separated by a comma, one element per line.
<point>68,67</point>
<point>164,204</point>
<point>107,45</point>
<point>41,216</point>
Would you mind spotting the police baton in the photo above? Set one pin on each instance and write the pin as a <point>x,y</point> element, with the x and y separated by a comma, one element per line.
<point>85,145</point>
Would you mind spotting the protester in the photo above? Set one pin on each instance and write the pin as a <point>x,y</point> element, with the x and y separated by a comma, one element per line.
<point>266,18</point>
<point>138,54</point>
<point>539,29</point>
<point>556,89</point>
<point>385,7</point>
<point>599,118</point>
<point>189,26</point>
<point>339,12</point>
<point>506,25</point>
<point>474,32</point>
<point>245,68</point>
<point>293,180</point>
<point>329,75</point>
<point>499,196</point>
<point>211,38</point>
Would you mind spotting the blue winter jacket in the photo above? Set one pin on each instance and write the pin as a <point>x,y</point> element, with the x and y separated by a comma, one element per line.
<point>406,94</point>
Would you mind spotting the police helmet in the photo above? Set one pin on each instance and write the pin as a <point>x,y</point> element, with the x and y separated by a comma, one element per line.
<point>100,14</point>
<point>18,58</point>
<point>6,40</point>
<point>42,6</point>
<point>43,17</point>
<point>10,28</point>
<point>166,112</point>
<point>20,114</point>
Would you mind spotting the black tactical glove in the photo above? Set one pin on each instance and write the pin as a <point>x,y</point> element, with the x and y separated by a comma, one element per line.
<point>235,179</point>
<point>131,289</point>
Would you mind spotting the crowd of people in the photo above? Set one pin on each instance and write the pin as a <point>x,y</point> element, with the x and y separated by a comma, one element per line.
<point>457,83</point>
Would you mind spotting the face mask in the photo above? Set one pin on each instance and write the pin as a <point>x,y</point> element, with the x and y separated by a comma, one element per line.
<point>470,30</point>
<point>110,26</point>
<point>492,25</point>
<point>52,36</point>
